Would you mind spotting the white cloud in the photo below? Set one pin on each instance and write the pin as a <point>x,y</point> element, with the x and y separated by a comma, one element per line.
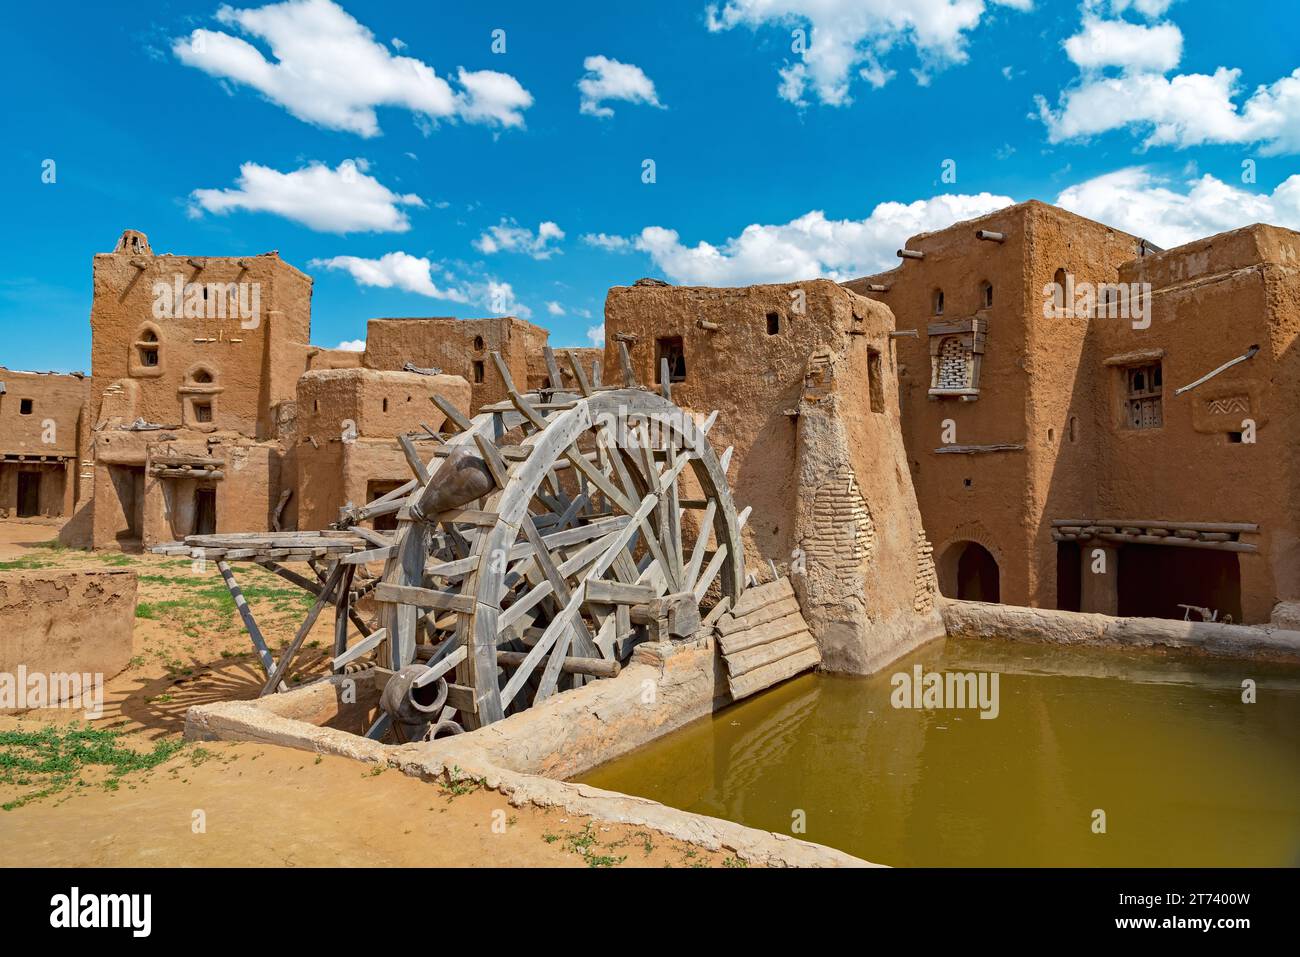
<point>613,244</point>
<point>340,200</point>
<point>1131,46</point>
<point>608,79</point>
<point>508,236</point>
<point>853,35</point>
<point>596,334</point>
<point>811,246</point>
<point>555,309</point>
<point>352,345</point>
<point>397,270</point>
<point>326,68</point>
<point>1140,202</point>
<point>1183,110</point>
<point>1179,110</point>
<point>400,270</point>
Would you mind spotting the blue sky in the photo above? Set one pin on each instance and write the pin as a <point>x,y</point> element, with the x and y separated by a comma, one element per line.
<point>347,137</point>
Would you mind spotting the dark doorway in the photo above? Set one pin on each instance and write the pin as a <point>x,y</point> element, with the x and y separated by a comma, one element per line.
<point>1155,579</point>
<point>128,483</point>
<point>1069,576</point>
<point>374,490</point>
<point>29,494</point>
<point>205,511</point>
<point>977,574</point>
<point>969,571</point>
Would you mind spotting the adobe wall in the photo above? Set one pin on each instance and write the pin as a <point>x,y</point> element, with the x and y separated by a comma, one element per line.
<point>459,347</point>
<point>825,475</point>
<point>1028,386</point>
<point>253,363</point>
<point>44,440</point>
<point>1212,300</point>
<point>346,425</point>
<point>66,621</point>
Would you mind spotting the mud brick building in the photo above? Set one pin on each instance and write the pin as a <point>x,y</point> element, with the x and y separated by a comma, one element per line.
<point>1044,425</point>
<point>803,379</point>
<point>40,442</point>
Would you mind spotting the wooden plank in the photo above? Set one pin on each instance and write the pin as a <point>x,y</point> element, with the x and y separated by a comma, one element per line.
<point>326,593</point>
<point>453,414</point>
<point>250,625</point>
<point>618,593</point>
<point>582,638</point>
<point>424,597</point>
<point>342,605</point>
<point>625,363</point>
<point>579,376</point>
<point>742,662</point>
<point>773,630</point>
<point>373,555</point>
<point>413,459</point>
<point>760,595</point>
<point>368,643</point>
<point>760,616</point>
<point>769,675</point>
<point>1239,527</point>
<point>692,574</point>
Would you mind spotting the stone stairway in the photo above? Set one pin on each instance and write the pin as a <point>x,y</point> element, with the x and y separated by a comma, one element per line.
<point>765,639</point>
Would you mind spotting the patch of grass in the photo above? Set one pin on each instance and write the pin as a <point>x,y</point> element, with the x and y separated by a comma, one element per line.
<point>53,757</point>
<point>734,862</point>
<point>27,561</point>
<point>459,783</point>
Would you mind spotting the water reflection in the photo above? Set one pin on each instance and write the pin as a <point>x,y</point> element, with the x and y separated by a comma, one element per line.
<point>1185,773</point>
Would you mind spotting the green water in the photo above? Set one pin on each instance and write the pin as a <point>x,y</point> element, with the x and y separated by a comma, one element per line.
<point>1186,773</point>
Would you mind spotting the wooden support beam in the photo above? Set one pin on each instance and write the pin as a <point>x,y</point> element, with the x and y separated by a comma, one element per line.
<point>250,625</point>
<point>453,414</point>
<point>625,363</point>
<point>413,459</point>
<point>326,593</point>
<point>424,597</point>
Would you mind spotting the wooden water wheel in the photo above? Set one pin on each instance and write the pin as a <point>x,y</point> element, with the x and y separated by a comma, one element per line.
<point>546,537</point>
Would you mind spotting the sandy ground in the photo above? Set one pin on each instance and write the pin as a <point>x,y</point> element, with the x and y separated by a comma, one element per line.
<point>261,805</point>
<point>224,804</point>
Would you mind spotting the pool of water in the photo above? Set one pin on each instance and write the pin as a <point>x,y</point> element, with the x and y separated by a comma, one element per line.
<point>1184,771</point>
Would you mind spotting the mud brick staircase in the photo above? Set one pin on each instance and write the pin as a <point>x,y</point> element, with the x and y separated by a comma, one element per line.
<point>766,639</point>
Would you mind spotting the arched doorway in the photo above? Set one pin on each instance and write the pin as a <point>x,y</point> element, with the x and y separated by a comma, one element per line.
<point>969,572</point>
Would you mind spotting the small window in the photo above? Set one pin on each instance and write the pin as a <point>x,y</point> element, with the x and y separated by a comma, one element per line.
<point>202,411</point>
<point>478,371</point>
<point>478,343</point>
<point>315,405</point>
<point>986,295</point>
<point>670,348</point>
<point>385,405</point>
<point>1234,437</point>
<point>938,302</point>
<point>1059,281</point>
<point>875,380</point>
<point>24,406</point>
<point>773,323</point>
<point>147,348</point>
<point>1142,404</point>
<point>201,377</point>
<point>1074,429</point>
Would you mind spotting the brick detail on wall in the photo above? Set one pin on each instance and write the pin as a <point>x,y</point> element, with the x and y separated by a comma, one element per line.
<point>844,535</point>
<point>927,580</point>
